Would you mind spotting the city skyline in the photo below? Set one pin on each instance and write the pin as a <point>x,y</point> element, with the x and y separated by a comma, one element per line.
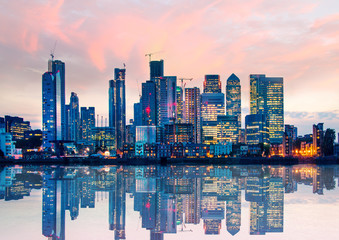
<point>188,36</point>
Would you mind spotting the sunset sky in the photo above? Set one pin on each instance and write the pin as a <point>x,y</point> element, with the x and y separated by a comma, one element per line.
<point>294,39</point>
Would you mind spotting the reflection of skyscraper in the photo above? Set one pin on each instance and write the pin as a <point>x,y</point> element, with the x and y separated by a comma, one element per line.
<point>233,214</point>
<point>275,208</point>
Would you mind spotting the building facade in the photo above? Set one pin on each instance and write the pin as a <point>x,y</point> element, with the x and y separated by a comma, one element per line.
<point>193,111</point>
<point>212,84</point>
<point>233,97</point>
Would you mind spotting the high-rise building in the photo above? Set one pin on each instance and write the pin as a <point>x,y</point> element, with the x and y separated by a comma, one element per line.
<point>227,129</point>
<point>256,129</point>
<point>318,138</point>
<point>117,106</point>
<point>178,133</point>
<point>209,132</point>
<point>166,99</point>
<point>233,97</point>
<point>156,69</point>
<point>212,106</point>
<point>137,121</point>
<point>53,103</point>
<point>180,106</point>
<point>193,111</point>
<point>267,97</point>
<point>74,123</point>
<point>87,123</point>
<point>148,100</point>
<point>212,84</point>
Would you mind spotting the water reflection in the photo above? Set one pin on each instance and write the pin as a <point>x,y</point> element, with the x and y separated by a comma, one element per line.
<point>168,198</point>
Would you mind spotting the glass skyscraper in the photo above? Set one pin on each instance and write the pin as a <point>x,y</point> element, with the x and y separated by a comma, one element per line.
<point>267,97</point>
<point>74,123</point>
<point>227,128</point>
<point>233,97</point>
<point>256,129</point>
<point>117,106</point>
<point>53,103</point>
<point>148,100</point>
<point>87,123</point>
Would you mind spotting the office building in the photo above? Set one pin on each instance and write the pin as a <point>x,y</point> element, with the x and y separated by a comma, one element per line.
<point>256,129</point>
<point>209,132</point>
<point>193,111</point>
<point>227,129</point>
<point>17,127</point>
<point>180,118</point>
<point>148,100</point>
<point>104,138</point>
<point>166,99</point>
<point>178,133</point>
<point>212,84</point>
<point>74,119</point>
<point>233,97</point>
<point>6,143</point>
<point>267,97</point>
<point>318,139</point>
<point>156,69</point>
<point>146,134</point>
<point>137,121</point>
<point>117,106</point>
<point>87,123</point>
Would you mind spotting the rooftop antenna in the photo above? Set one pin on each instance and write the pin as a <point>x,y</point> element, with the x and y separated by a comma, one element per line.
<point>53,50</point>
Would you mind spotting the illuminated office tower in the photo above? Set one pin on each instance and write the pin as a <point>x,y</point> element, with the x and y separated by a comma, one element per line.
<point>87,122</point>
<point>275,205</point>
<point>267,97</point>
<point>212,84</point>
<point>53,103</point>
<point>227,129</point>
<point>256,129</point>
<point>117,106</point>
<point>178,133</point>
<point>318,138</point>
<point>148,100</point>
<point>48,109</point>
<point>180,118</point>
<point>193,111</point>
<point>233,97</point>
<point>166,99</point>
<point>212,106</point>
<point>74,123</point>
<point>17,127</point>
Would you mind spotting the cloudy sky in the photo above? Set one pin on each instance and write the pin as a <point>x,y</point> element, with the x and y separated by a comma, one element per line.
<point>295,39</point>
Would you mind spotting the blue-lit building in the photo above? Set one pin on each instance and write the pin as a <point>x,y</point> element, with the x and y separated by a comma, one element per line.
<point>137,121</point>
<point>148,100</point>
<point>166,99</point>
<point>53,103</point>
<point>117,106</point>
<point>87,123</point>
<point>233,97</point>
<point>74,119</point>
<point>267,97</point>
<point>156,69</point>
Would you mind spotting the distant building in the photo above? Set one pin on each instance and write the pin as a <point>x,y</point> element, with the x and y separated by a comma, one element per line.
<point>146,134</point>
<point>74,118</point>
<point>267,97</point>
<point>193,111</point>
<point>212,84</point>
<point>148,100</point>
<point>318,138</point>
<point>156,69</point>
<point>178,133</point>
<point>180,118</point>
<point>166,99</point>
<point>137,121</point>
<point>17,127</point>
<point>117,106</point>
<point>87,123</point>
<point>6,143</point>
<point>256,129</point>
<point>233,97</point>
<point>210,132</point>
<point>228,130</point>
<point>104,138</point>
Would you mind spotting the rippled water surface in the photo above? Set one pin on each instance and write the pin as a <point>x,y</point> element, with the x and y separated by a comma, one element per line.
<point>169,202</point>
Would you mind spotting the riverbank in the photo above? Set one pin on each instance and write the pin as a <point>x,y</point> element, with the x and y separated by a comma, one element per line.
<point>173,161</point>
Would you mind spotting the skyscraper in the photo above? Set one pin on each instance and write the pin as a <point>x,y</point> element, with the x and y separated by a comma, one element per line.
<point>166,99</point>
<point>148,99</point>
<point>227,129</point>
<point>180,106</point>
<point>53,103</point>
<point>156,69</point>
<point>233,97</point>
<point>318,138</point>
<point>256,129</point>
<point>137,114</point>
<point>87,122</point>
<point>212,84</point>
<point>74,123</point>
<point>117,106</point>
<point>193,111</point>
<point>267,97</point>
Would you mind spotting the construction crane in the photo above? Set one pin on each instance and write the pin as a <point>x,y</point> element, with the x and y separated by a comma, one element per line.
<point>53,50</point>
<point>150,55</point>
<point>182,82</point>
